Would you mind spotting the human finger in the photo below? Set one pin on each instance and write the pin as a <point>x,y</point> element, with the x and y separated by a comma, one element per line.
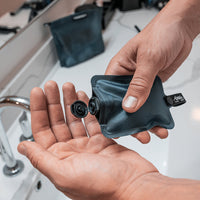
<point>55,112</point>
<point>39,157</point>
<point>139,88</point>
<point>143,137</point>
<point>39,119</point>
<point>75,124</point>
<point>160,132</point>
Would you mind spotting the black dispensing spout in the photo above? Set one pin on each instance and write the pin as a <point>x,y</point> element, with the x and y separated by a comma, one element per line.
<point>80,110</point>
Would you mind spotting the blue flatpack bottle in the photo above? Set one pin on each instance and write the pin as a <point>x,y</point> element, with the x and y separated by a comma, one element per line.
<point>106,104</point>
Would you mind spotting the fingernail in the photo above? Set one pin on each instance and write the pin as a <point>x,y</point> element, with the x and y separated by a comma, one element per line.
<point>130,102</point>
<point>22,149</point>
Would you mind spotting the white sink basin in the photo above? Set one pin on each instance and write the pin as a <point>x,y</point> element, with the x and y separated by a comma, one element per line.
<point>29,184</point>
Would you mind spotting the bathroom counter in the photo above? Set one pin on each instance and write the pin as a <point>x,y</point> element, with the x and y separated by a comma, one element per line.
<point>176,156</point>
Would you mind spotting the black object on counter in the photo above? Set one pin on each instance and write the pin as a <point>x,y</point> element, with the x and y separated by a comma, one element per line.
<point>108,11</point>
<point>125,5</point>
<point>106,104</point>
<point>7,30</point>
<point>159,4</point>
<point>33,14</point>
<point>84,7</point>
<point>34,6</point>
<point>137,28</point>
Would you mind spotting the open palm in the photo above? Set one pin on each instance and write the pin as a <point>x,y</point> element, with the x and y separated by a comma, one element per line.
<point>76,157</point>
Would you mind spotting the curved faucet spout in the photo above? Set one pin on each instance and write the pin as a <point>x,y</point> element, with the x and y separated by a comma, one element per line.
<point>15,101</point>
<point>12,166</point>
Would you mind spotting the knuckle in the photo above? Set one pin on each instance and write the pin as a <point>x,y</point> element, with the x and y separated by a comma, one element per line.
<point>152,55</point>
<point>113,61</point>
<point>140,85</point>
<point>35,161</point>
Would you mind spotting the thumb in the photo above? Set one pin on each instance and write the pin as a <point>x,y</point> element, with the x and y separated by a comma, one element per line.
<point>139,88</point>
<point>40,158</point>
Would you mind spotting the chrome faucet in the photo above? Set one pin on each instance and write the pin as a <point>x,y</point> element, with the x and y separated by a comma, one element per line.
<point>13,166</point>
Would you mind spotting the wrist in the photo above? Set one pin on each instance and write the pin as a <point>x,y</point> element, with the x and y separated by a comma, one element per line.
<point>157,186</point>
<point>188,11</point>
<point>140,188</point>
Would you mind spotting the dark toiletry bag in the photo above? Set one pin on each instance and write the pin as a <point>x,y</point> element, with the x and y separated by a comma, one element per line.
<point>78,37</point>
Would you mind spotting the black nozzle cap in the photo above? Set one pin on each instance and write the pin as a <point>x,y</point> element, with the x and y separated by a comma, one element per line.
<point>79,109</point>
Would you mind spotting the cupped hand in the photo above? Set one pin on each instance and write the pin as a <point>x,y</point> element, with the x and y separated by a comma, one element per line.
<point>77,158</point>
<point>159,49</point>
